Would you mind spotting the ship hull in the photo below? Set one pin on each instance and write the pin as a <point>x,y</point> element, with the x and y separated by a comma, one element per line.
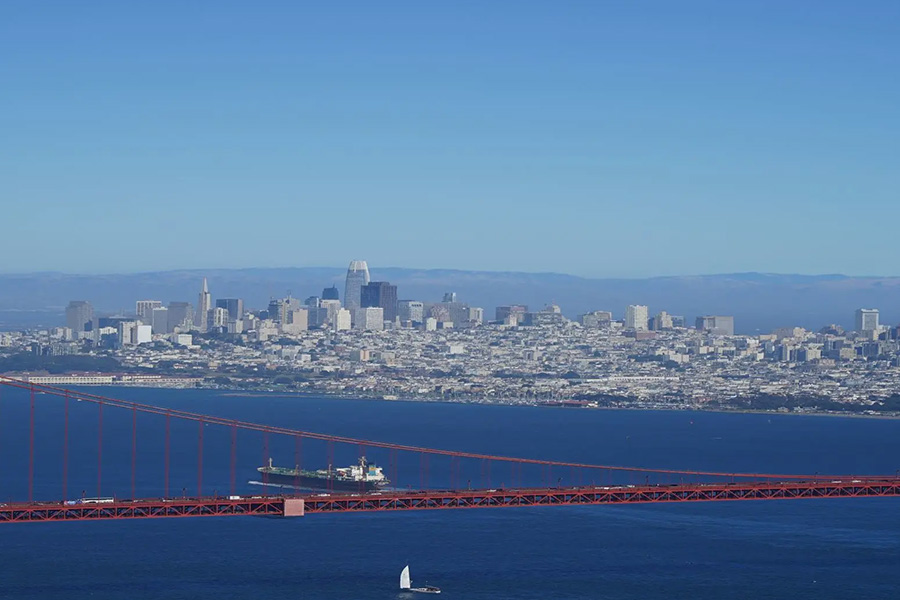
<point>320,483</point>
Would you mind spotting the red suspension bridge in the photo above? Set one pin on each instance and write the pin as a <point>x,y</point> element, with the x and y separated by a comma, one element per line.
<point>140,461</point>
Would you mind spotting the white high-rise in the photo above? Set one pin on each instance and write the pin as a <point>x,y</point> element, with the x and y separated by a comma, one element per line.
<point>204,303</point>
<point>867,319</point>
<point>342,320</point>
<point>636,317</point>
<point>357,276</point>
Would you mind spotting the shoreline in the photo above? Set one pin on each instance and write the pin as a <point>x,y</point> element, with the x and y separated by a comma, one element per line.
<point>236,392</point>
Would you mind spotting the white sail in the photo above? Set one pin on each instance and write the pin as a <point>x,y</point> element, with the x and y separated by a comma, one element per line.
<point>404,578</point>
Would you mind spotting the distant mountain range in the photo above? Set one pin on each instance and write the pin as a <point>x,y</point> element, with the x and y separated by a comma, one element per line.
<point>758,301</point>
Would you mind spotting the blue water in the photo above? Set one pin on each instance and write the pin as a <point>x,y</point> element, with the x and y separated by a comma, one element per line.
<point>788,549</point>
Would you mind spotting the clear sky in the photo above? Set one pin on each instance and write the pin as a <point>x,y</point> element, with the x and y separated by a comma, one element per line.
<point>600,138</point>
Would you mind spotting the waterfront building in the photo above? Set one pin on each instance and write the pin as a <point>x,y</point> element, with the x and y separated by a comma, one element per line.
<point>636,317</point>
<point>380,294</point>
<point>357,277</point>
<point>867,319</point>
<point>79,314</point>
<point>204,304</point>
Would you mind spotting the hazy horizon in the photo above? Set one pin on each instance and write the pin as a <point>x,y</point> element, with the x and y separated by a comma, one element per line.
<point>452,269</point>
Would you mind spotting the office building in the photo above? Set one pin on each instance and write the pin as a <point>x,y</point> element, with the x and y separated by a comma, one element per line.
<point>636,316</point>
<point>370,318</point>
<point>295,321</point>
<point>716,324</point>
<point>330,293</point>
<point>596,319</point>
<point>126,332</point>
<point>318,317</point>
<point>867,319</point>
<point>79,314</point>
<point>234,306</point>
<point>159,320</point>
<point>380,294</point>
<point>332,306</point>
<point>144,310</point>
<point>143,334</point>
<point>357,277</point>
<point>280,307</point>
<point>342,320</point>
<point>204,304</point>
<point>217,319</point>
<point>661,321</point>
<point>514,311</point>
<point>410,310</point>
<point>181,316</point>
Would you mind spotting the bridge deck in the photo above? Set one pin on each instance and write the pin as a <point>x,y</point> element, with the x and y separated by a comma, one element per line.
<point>439,499</point>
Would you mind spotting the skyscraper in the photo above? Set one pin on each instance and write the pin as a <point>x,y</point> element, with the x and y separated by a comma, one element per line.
<point>181,315</point>
<point>636,317</point>
<point>867,319</point>
<point>204,304</point>
<point>144,310</point>
<point>357,276</point>
<point>234,306</point>
<point>330,293</point>
<point>78,314</point>
<point>380,294</point>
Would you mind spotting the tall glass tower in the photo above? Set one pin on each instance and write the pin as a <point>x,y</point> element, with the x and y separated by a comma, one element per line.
<point>357,276</point>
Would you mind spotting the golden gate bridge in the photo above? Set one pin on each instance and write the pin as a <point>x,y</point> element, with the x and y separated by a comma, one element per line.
<point>430,478</point>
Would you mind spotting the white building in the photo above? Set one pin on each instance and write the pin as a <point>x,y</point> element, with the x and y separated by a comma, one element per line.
<point>636,317</point>
<point>867,319</point>
<point>143,334</point>
<point>217,317</point>
<point>342,320</point>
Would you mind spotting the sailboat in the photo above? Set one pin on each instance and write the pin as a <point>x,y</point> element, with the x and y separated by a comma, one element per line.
<point>406,584</point>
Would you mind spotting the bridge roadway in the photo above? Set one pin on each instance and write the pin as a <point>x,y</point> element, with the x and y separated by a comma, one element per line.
<point>394,500</point>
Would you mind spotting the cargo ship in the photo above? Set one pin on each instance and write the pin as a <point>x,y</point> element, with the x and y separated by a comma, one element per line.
<point>356,478</point>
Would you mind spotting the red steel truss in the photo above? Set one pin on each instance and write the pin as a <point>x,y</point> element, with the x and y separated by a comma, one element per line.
<point>435,500</point>
<point>141,509</point>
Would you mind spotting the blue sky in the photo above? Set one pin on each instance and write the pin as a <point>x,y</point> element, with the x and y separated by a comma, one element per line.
<point>596,138</point>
